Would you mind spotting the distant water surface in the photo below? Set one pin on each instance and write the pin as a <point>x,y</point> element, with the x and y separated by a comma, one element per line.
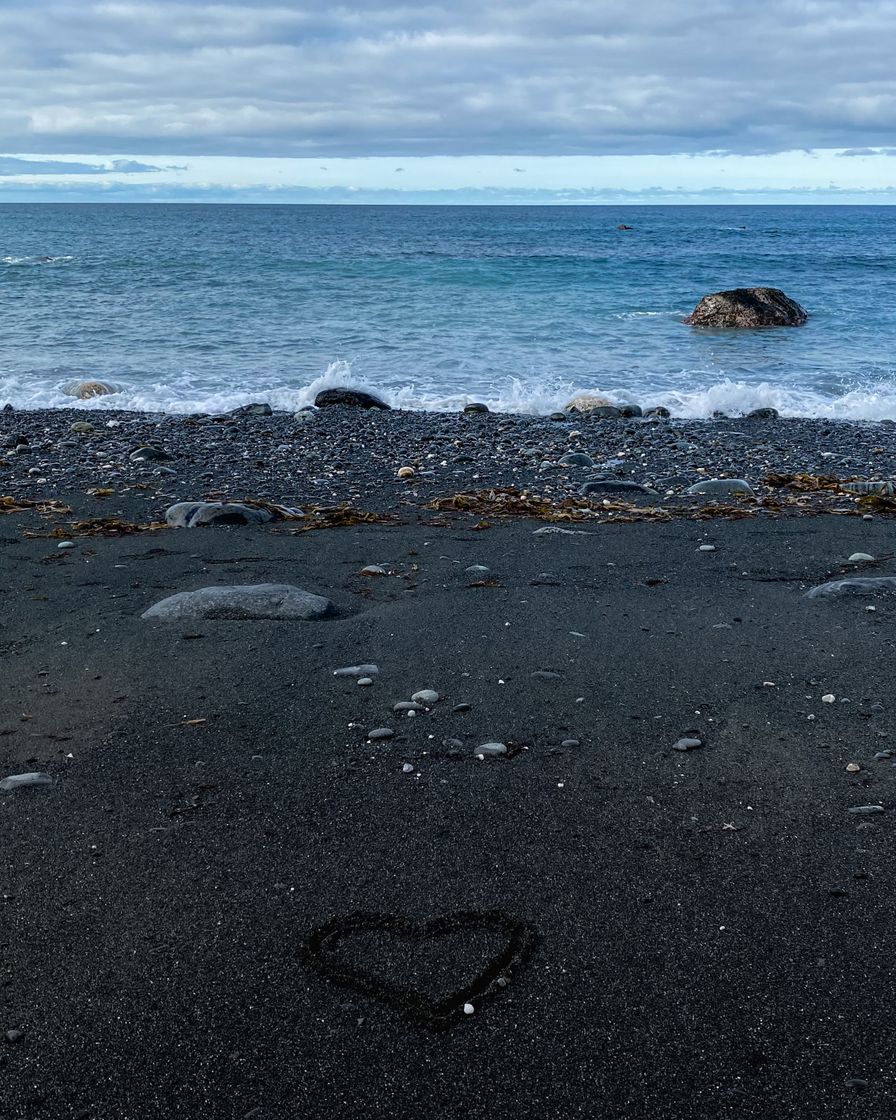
<point>202,308</point>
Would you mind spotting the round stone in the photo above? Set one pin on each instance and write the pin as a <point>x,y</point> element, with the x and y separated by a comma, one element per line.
<point>425,696</point>
<point>380,733</point>
<point>406,472</point>
<point>491,750</point>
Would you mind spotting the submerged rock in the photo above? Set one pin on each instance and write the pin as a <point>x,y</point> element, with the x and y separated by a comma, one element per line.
<point>86,390</point>
<point>748,307</point>
<point>659,412</point>
<point>259,409</point>
<point>763,414</point>
<point>475,406</point>
<point>242,602</point>
<point>351,398</point>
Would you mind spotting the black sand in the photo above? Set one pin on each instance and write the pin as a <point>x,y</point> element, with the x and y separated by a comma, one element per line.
<point>715,929</point>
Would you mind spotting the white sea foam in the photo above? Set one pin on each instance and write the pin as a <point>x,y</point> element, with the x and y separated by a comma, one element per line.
<point>693,398</point>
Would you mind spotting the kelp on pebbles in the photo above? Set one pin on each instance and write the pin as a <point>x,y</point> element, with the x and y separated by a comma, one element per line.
<point>335,517</point>
<point>98,527</point>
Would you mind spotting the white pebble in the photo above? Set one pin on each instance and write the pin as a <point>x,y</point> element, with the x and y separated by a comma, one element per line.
<point>425,696</point>
<point>828,698</point>
<point>469,1009</point>
<point>707,548</point>
<point>364,681</point>
<point>66,544</point>
<point>859,557</point>
<point>407,768</point>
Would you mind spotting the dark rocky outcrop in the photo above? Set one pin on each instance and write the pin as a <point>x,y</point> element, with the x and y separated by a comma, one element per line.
<point>476,407</point>
<point>763,414</point>
<point>746,308</point>
<point>351,398</point>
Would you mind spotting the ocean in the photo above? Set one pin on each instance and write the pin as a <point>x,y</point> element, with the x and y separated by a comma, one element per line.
<point>201,308</point>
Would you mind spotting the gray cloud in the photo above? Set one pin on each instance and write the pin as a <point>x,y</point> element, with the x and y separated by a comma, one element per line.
<point>511,76</point>
<point>11,165</point>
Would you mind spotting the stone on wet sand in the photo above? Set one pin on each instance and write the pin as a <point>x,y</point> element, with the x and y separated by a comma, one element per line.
<point>351,398</point>
<point>25,781</point>
<point>866,810</point>
<point>490,750</point>
<point>687,743</point>
<point>148,454</point>
<point>717,486</point>
<point>257,409</point>
<point>859,586</point>
<point>357,671</point>
<point>860,558</point>
<point>425,696</point>
<point>191,515</point>
<point>374,570</point>
<point>276,601</point>
<point>380,733</point>
<point>408,706</point>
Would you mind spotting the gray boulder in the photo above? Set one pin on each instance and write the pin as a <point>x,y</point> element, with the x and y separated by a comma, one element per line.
<point>748,307</point>
<point>242,602</point>
<point>351,398</point>
<point>190,515</point>
<point>719,486</point>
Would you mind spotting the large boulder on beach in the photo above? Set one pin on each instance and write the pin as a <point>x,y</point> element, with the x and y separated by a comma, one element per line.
<point>351,398</point>
<point>748,307</point>
<point>278,601</point>
<point>587,402</point>
<point>86,390</point>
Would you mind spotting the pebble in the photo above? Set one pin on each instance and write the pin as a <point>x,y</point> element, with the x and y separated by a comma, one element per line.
<point>13,1036</point>
<point>686,744</point>
<point>380,733</point>
<point>576,459</point>
<point>865,810</point>
<point>66,544</point>
<point>721,486</point>
<point>425,696</point>
<point>364,682</point>
<point>570,743</point>
<point>491,750</point>
<point>373,570</point>
<point>856,585</point>
<point>462,707</point>
<point>477,570</point>
<point>407,706</point>
<point>469,1009</point>
<point>406,472</point>
<point>853,767</point>
<point>356,671</point>
<point>859,558</point>
<point>544,675</point>
<point>828,698</point>
<point>707,548</point>
<point>407,768</point>
<point>23,781</point>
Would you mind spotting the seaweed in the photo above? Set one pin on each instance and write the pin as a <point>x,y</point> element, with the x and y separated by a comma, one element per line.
<point>46,506</point>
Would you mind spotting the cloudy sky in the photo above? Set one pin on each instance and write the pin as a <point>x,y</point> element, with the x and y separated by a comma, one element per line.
<point>472,100</point>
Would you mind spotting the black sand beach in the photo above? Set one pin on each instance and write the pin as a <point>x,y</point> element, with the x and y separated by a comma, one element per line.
<point>710,930</point>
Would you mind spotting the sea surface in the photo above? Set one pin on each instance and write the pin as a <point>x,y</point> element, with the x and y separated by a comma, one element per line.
<point>202,308</point>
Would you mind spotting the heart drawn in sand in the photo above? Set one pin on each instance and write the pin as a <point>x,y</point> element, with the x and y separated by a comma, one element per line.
<point>353,950</point>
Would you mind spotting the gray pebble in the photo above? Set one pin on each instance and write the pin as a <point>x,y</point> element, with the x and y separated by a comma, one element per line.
<point>576,459</point>
<point>13,1036</point>
<point>721,486</point>
<point>407,768</point>
<point>364,682</point>
<point>380,733</point>
<point>490,750</point>
<point>356,671</point>
<point>686,744</point>
<point>425,696</point>
<point>865,810</point>
<point>570,743</point>
<point>544,675</point>
<point>407,706</point>
<point>462,708</point>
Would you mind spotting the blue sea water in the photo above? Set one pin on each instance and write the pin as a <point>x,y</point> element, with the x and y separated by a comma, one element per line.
<point>201,308</point>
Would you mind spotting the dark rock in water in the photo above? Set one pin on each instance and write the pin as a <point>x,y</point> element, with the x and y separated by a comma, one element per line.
<point>630,410</point>
<point>86,390</point>
<point>249,601</point>
<point>475,406</point>
<point>625,227</point>
<point>748,307</point>
<point>613,486</point>
<point>717,414</point>
<point>576,459</point>
<point>351,398</point>
<point>190,515</point>
<point>606,412</point>
<point>660,412</point>
<point>8,407</point>
<point>253,410</point>
<point>763,414</point>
